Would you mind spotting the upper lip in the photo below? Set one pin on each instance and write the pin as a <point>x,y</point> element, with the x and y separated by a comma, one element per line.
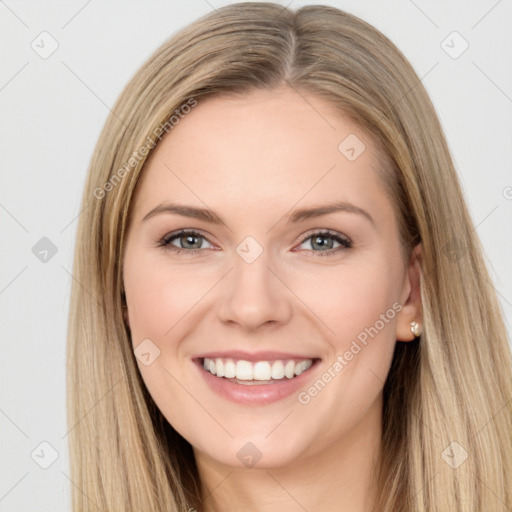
<point>254,356</point>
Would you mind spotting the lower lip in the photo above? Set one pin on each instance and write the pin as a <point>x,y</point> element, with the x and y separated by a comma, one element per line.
<point>256,394</point>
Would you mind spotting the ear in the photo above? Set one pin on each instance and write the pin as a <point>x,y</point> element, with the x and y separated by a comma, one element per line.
<point>410,298</point>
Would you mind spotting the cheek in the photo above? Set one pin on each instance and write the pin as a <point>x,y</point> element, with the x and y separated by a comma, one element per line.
<point>354,300</point>
<point>360,308</point>
<point>160,295</point>
<point>359,305</point>
<point>161,299</point>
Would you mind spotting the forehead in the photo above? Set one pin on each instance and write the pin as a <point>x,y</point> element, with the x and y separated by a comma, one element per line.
<point>262,152</point>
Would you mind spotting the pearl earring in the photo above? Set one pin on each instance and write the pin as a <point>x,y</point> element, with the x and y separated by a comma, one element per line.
<point>415,328</point>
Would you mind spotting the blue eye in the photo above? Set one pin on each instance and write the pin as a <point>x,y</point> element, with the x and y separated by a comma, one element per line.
<point>191,242</point>
<point>326,240</point>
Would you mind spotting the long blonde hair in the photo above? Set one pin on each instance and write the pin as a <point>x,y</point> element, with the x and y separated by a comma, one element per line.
<point>447,396</point>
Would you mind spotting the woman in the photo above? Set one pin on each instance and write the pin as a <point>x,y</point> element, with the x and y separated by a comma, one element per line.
<point>256,370</point>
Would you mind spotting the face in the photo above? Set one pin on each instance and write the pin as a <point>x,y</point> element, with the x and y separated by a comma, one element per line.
<point>264,247</point>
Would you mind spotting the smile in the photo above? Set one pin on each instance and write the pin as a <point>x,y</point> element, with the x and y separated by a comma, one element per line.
<point>258,371</point>
<point>256,379</point>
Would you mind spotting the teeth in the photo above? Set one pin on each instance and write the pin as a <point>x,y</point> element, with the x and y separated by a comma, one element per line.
<point>277,370</point>
<point>229,368</point>
<point>289,369</point>
<point>302,366</point>
<point>260,370</point>
<point>243,370</point>
<point>219,366</point>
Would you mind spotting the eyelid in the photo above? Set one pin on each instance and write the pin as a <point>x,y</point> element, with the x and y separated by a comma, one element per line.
<point>324,232</point>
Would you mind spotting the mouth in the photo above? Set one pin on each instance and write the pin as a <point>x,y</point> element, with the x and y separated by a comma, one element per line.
<point>255,380</point>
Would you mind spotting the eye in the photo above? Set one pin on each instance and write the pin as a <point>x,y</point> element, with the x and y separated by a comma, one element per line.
<point>323,242</point>
<point>187,241</point>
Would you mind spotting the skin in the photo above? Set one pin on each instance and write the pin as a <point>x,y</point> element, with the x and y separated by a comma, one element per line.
<point>253,159</point>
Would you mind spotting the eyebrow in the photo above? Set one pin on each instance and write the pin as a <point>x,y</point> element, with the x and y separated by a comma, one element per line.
<point>296,216</point>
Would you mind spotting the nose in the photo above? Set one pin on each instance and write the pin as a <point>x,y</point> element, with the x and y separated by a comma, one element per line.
<point>254,296</point>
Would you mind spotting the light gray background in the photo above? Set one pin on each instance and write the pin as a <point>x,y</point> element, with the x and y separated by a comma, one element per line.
<point>52,113</point>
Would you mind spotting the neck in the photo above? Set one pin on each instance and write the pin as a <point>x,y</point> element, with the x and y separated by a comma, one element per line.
<point>340,478</point>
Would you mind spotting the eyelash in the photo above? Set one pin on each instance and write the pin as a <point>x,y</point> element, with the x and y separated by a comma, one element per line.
<point>345,242</point>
